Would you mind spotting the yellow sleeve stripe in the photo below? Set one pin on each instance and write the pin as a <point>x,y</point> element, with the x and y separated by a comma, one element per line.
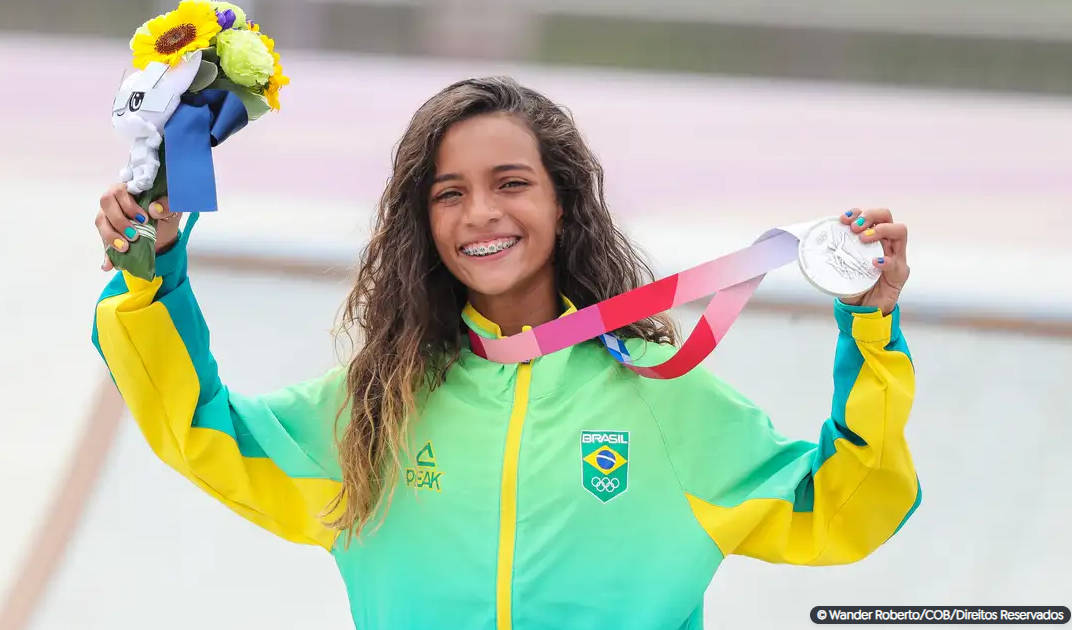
<point>156,377</point>
<point>861,492</point>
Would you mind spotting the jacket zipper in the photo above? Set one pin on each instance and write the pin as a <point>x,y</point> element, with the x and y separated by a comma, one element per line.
<point>508,500</point>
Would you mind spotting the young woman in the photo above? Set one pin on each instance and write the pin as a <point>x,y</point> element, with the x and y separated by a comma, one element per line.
<point>566,492</point>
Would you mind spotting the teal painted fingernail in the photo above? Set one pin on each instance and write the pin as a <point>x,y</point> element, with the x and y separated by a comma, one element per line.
<point>129,232</point>
<point>860,221</point>
<point>140,218</point>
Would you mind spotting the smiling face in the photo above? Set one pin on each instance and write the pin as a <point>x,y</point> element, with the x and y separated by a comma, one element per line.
<point>492,207</point>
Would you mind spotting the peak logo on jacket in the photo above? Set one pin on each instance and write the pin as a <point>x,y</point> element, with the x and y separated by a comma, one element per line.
<point>424,476</point>
<point>605,463</point>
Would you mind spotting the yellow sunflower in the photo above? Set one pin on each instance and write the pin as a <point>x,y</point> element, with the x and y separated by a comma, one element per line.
<point>275,83</point>
<point>278,79</point>
<point>168,37</point>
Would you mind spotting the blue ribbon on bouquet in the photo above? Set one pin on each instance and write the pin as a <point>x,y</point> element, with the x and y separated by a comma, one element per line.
<point>202,121</point>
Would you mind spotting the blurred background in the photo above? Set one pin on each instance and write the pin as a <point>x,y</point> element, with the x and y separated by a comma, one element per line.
<point>715,120</point>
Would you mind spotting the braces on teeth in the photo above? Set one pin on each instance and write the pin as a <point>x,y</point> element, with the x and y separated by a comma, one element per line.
<point>485,250</point>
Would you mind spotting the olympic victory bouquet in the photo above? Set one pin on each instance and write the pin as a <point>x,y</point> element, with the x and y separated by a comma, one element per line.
<point>203,71</point>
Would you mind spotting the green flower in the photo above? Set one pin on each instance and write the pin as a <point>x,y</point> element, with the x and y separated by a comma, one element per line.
<point>240,15</point>
<point>244,58</point>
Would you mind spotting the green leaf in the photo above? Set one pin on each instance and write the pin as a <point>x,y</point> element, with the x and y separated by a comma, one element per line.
<point>256,105</point>
<point>140,258</point>
<point>209,54</point>
<point>206,74</point>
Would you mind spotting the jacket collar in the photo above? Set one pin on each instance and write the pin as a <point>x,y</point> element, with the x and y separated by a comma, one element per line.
<point>497,380</point>
<point>490,330</point>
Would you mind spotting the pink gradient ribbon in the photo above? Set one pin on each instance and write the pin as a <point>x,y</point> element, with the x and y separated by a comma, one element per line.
<point>733,279</point>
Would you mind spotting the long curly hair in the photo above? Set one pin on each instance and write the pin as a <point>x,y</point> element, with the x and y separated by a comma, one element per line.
<point>406,305</point>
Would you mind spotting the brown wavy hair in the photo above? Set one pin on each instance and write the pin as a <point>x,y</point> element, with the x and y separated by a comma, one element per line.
<point>406,304</point>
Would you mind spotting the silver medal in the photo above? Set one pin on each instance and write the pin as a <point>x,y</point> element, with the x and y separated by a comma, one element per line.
<point>836,261</point>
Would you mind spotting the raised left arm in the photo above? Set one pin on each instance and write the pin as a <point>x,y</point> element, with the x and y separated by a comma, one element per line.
<point>834,501</point>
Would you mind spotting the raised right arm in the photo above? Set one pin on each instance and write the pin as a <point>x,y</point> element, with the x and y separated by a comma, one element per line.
<point>269,458</point>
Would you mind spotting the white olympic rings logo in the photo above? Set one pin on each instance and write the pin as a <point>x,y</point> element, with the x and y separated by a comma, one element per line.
<point>605,484</point>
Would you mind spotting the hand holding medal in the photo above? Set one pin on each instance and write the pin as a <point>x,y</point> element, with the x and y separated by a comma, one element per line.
<point>877,226</point>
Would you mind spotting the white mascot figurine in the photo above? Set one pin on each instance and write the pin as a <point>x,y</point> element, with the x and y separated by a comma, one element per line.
<point>144,103</point>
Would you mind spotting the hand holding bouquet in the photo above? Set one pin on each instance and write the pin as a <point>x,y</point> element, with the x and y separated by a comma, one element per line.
<point>203,72</point>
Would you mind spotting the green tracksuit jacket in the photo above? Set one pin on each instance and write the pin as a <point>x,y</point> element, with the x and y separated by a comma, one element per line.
<point>565,493</point>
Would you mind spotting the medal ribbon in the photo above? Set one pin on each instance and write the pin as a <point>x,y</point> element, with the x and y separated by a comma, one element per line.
<point>732,279</point>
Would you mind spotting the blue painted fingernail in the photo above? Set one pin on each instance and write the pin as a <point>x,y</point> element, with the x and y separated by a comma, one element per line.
<point>880,260</point>
<point>849,213</point>
<point>860,221</point>
<point>140,218</point>
<point>129,232</point>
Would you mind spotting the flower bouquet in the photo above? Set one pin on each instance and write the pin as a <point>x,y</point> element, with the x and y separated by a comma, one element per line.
<point>203,72</point>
